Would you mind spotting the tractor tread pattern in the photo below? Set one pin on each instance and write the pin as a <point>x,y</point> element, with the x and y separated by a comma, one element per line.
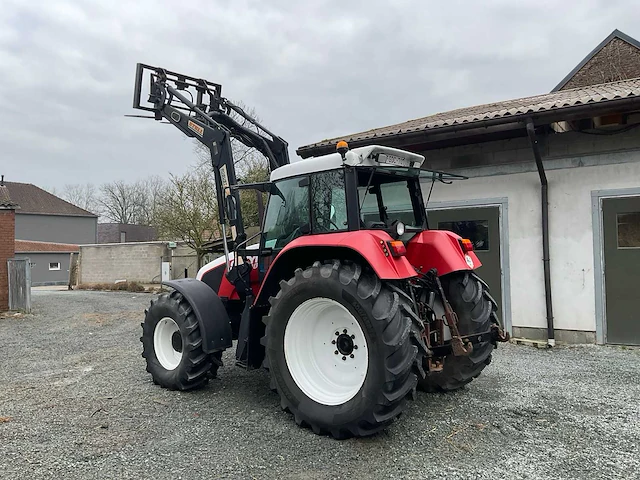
<point>197,366</point>
<point>394,328</point>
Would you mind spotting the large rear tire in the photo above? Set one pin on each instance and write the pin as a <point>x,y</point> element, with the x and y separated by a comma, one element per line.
<point>476,312</point>
<point>338,350</point>
<point>172,345</point>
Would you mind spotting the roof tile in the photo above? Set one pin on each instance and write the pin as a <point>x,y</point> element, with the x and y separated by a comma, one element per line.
<point>31,246</point>
<point>32,199</point>
<point>521,106</point>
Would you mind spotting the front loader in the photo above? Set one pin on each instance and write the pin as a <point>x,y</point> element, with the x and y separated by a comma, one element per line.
<point>345,296</point>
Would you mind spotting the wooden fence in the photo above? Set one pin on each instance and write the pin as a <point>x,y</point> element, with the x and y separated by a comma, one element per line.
<point>19,284</point>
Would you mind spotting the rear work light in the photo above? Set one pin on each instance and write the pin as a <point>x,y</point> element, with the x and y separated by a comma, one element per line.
<point>397,248</point>
<point>466,244</point>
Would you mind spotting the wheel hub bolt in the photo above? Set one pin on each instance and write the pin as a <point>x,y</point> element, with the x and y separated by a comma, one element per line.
<point>344,358</point>
<point>344,331</point>
<point>337,333</point>
<point>352,355</point>
<point>333,342</point>
<point>353,336</point>
<point>355,347</point>
<point>336,352</point>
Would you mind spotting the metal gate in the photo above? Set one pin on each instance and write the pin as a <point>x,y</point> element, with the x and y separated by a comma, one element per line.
<point>19,284</point>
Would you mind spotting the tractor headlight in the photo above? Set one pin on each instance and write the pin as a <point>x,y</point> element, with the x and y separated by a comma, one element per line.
<point>400,229</point>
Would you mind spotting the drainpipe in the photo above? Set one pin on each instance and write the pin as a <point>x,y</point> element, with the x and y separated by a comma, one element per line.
<point>544,194</point>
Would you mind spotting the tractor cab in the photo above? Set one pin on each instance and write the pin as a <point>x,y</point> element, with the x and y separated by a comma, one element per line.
<point>367,188</point>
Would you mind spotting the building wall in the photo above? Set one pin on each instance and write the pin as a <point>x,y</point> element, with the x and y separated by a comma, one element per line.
<point>570,229</point>
<point>56,228</point>
<point>40,273</point>
<point>111,233</point>
<point>7,247</point>
<point>618,60</point>
<point>183,257</point>
<point>140,262</point>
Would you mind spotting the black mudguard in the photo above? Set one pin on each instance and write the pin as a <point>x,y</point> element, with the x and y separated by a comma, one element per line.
<point>209,310</point>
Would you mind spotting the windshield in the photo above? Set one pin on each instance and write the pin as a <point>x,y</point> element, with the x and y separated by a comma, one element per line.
<point>386,196</point>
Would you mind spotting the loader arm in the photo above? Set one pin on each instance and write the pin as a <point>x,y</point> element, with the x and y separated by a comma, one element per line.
<point>207,117</point>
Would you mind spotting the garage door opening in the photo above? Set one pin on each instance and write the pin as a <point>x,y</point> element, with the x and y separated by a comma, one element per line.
<point>621,232</point>
<point>481,225</point>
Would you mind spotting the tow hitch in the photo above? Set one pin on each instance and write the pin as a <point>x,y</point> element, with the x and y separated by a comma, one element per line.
<point>459,346</point>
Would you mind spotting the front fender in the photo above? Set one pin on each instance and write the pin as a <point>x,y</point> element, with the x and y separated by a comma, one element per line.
<point>363,246</point>
<point>213,319</point>
<point>440,249</point>
<point>368,243</point>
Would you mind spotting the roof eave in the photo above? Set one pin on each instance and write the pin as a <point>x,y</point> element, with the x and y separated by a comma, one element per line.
<point>83,215</point>
<point>475,128</point>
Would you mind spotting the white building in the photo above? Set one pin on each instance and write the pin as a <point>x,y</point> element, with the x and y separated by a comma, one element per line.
<point>588,144</point>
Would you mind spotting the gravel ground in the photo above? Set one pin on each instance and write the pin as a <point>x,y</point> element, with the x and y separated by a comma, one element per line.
<point>80,405</point>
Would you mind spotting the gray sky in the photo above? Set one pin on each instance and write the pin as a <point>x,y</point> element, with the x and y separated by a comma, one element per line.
<point>312,70</point>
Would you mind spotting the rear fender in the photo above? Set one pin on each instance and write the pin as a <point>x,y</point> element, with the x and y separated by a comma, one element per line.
<point>365,246</point>
<point>440,249</point>
<point>209,310</point>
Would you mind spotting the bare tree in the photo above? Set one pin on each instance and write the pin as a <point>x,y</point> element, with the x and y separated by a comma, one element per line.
<point>153,189</point>
<point>83,196</point>
<point>122,202</point>
<point>188,211</point>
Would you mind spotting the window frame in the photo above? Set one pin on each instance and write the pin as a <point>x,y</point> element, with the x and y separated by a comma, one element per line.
<point>618,247</point>
<point>54,269</point>
<point>313,176</point>
<point>484,222</point>
<point>415,195</point>
<point>263,237</point>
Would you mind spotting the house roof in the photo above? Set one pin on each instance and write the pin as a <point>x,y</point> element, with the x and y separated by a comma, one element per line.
<point>35,200</point>
<point>31,246</point>
<point>613,35</point>
<point>5,198</point>
<point>503,112</point>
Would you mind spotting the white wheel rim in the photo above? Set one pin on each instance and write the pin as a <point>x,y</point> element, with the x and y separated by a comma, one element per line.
<point>324,376</point>
<point>163,343</point>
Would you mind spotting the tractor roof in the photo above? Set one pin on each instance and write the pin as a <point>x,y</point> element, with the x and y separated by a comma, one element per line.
<point>369,156</point>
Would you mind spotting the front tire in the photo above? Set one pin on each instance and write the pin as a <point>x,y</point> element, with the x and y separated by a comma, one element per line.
<point>476,312</point>
<point>335,307</point>
<point>172,345</point>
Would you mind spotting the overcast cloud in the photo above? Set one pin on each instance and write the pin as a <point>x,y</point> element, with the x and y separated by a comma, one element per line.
<point>312,70</point>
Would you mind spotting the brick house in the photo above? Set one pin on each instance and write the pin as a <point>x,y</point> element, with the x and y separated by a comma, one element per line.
<point>7,229</point>
<point>552,196</point>
<point>47,230</point>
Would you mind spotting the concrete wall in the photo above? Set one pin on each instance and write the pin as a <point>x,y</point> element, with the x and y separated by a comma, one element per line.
<point>40,273</point>
<point>181,258</point>
<point>56,228</point>
<point>571,180</point>
<point>140,262</point>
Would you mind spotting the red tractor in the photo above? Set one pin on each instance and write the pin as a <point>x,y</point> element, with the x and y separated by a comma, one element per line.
<point>345,296</point>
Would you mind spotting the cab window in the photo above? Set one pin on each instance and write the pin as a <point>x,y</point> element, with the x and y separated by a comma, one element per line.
<point>328,202</point>
<point>288,213</point>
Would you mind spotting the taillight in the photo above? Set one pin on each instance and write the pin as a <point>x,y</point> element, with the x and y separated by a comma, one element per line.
<point>397,248</point>
<point>466,244</point>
